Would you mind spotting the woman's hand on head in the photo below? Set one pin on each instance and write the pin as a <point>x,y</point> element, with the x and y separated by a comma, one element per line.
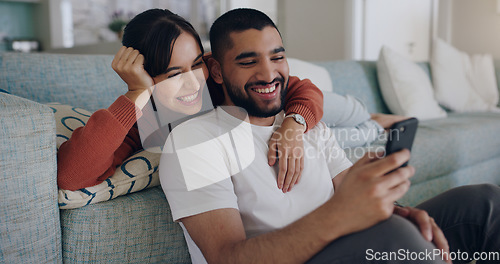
<point>286,147</point>
<point>128,63</point>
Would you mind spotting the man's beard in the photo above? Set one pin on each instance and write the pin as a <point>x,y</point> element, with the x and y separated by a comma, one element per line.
<point>246,102</point>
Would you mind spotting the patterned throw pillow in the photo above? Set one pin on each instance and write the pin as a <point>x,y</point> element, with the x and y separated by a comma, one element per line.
<point>68,119</point>
<point>138,172</point>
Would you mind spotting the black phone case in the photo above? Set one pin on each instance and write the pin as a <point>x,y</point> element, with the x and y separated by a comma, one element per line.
<point>401,136</point>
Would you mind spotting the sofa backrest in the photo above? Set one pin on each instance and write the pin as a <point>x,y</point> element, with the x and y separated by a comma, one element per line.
<point>359,79</point>
<point>85,81</point>
<point>88,81</point>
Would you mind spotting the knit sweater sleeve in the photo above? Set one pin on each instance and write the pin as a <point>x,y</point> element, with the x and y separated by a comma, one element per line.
<point>94,151</point>
<point>304,98</point>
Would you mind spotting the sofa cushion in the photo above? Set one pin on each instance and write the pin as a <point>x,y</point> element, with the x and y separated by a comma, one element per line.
<point>486,171</point>
<point>29,217</point>
<point>136,228</point>
<point>463,83</point>
<point>406,88</point>
<point>444,145</point>
<point>449,152</point>
<point>138,172</point>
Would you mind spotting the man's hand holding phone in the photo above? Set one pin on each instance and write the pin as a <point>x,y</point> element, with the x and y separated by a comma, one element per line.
<point>401,136</point>
<point>366,193</point>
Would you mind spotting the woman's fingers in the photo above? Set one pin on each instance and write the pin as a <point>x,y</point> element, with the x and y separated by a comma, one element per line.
<point>283,167</point>
<point>117,58</point>
<point>272,153</point>
<point>289,173</point>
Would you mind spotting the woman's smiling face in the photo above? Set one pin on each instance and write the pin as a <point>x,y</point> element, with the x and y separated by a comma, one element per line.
<point>180,89</point>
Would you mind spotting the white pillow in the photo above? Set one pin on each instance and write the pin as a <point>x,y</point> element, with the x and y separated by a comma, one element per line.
<point>138,172</point>
<point>405,87</point>
<point>318,75</point>
<point>463,83</point>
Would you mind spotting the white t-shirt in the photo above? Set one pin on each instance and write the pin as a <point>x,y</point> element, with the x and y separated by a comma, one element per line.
<point>221,162</point>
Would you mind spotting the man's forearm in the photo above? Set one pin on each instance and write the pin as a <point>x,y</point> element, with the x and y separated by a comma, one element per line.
<point>295,243</point>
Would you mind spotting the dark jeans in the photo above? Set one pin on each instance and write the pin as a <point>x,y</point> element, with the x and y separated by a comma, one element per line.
<point>469,217</point>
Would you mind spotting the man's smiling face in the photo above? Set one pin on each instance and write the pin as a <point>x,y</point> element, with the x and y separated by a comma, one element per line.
<point>255,71</point>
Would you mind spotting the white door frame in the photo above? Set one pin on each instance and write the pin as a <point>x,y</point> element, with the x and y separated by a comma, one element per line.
<point>444,25</point>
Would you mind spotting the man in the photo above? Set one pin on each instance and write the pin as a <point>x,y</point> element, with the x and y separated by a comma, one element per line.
<point>225,198</point>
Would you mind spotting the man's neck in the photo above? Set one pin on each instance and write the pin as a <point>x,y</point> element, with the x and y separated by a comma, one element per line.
<point>262,121</point>
<point>258,121</point>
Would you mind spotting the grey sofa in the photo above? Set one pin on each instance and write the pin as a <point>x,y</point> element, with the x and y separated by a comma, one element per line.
<point>137,228</point>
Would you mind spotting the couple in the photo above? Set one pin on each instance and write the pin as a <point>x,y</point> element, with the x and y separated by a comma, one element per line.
<point>246,218</point>
<point>162,59</point>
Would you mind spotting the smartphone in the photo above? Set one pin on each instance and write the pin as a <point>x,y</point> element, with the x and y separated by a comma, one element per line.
<point>401,136</point>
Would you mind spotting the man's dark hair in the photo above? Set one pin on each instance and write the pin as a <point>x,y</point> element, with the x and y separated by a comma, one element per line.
<point>153,33</point>
<point>235,20</point>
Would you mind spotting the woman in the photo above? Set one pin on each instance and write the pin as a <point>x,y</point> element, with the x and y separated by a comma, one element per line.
<point>152,64</point>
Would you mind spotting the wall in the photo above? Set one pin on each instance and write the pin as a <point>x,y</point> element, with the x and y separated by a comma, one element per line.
<point>314,29</point>
<point>476,26</point>
<point>109,48</point>
<point>404,26</point>
<point>15,21</point>
<point>317,29</point>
